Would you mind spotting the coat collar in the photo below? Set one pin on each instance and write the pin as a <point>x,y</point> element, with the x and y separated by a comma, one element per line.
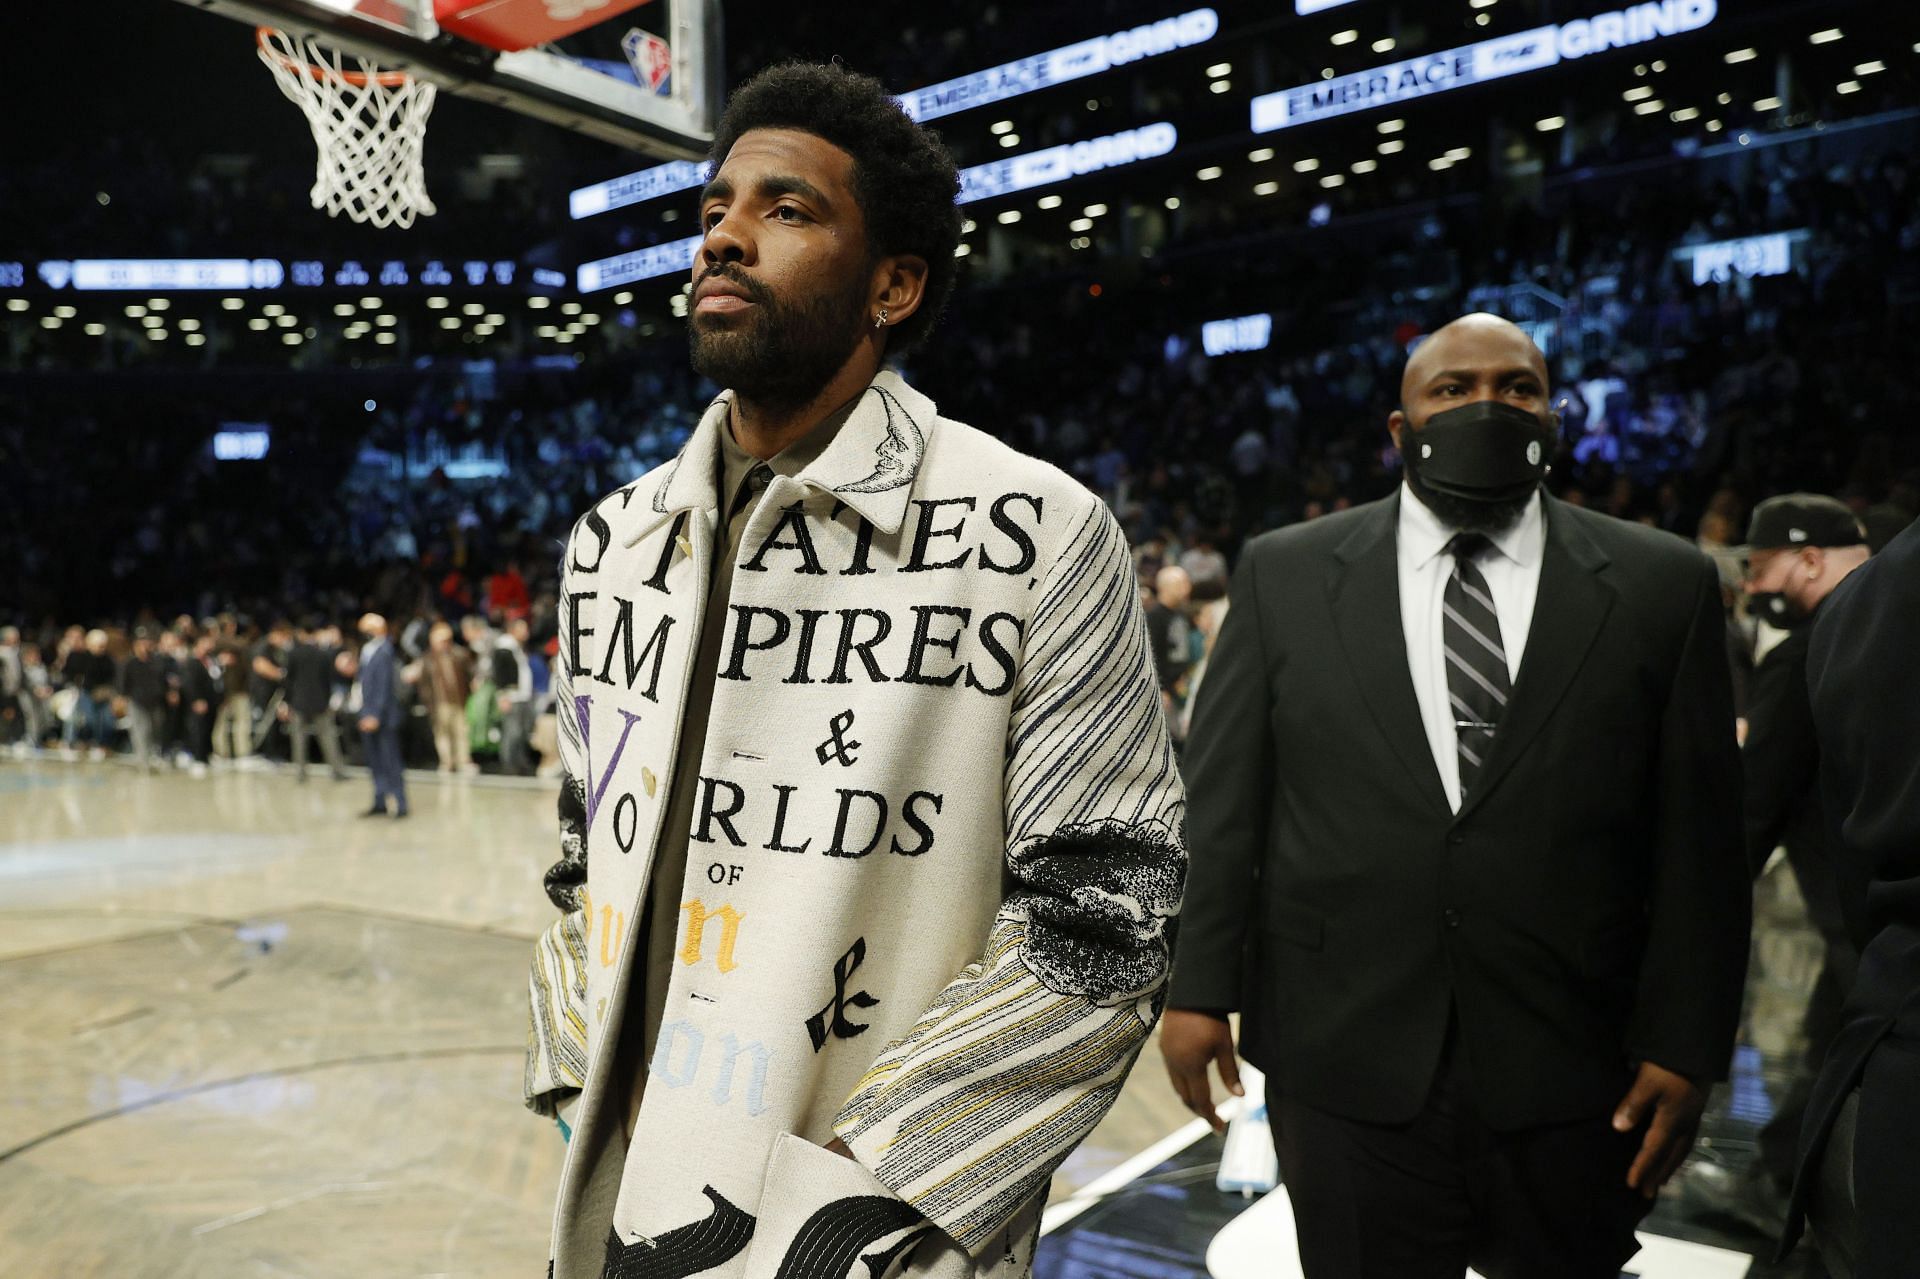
<point>870,465</point>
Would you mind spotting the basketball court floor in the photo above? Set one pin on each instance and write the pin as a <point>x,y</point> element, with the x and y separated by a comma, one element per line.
<point>244,1032</point>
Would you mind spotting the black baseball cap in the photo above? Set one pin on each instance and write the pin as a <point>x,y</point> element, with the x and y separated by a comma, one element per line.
<point>1794,520</point>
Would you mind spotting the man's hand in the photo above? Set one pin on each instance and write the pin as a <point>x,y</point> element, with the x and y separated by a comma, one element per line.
<point>839,1147</point>
<point>1189,1040</point>
<point>200,706</point>
<point>1675,1103</point>
<point>369,724</point>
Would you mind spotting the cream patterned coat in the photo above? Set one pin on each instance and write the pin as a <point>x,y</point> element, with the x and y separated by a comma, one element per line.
<point>935,856</point>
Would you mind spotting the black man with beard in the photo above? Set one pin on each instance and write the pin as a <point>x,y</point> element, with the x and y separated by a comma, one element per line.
<point>1466,850</point>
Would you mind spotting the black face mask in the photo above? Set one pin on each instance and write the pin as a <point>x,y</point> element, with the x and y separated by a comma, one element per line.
<point>1773,608</point>
<point>1477,466</point>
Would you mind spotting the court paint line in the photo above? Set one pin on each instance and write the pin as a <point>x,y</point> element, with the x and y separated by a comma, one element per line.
<point>1133,1169</point>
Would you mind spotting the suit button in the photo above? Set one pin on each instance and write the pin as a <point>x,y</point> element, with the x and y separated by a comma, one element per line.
<point>1456,839</point>
<point>1452,917</point>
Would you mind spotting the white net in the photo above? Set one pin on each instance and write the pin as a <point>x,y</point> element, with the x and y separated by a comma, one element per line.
<point>370,127</point>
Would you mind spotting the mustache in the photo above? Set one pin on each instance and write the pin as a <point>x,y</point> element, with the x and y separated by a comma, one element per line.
<point>755,290</point>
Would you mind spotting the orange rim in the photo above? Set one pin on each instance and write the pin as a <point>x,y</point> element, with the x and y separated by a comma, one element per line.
<point>358,79</point>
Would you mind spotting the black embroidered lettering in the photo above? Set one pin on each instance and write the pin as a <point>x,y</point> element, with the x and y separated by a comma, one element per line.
<point>831,1022</point>
<point>596,524</point>
<point>624,835</point>
<point>1029,553</point>
<point>780,824</point>
<point>709,814</point>
<point>924,639</point>
<point>847,797</point>
<point>925,532</point>
<point>1002,654</point>
<point>659,579</point>
<point>793,517</point>
<point>920,827</point>
<point>656,645</point>
<point>577,632</point>
<point>809,620</point>
<point>743,642</point>
<point>849,618</point>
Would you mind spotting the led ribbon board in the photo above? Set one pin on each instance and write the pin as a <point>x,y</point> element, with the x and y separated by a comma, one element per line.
<point>981,182</point>
<point>1749,256</point>
<point>949,97</point>
<point>1479,63</point>
<point>1243,333</point>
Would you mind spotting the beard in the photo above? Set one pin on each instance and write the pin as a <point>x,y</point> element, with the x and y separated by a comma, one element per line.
<point>1464,514</point>
<point>777,354</point>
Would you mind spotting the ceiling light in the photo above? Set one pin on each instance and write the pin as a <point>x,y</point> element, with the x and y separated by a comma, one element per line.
<point>1825,37</point>
<point>1391,126</point>
<point>1483,4</point>
<point>343,309</point>
<point>232,304</point>
<point>967,227</point>
<point>1209,173</point>
<point>474,308</point>
<point>1551,123</point>
<point>158,304</point>
<point>386,321</point>
<point>95,330</point>
<point>1094,210</point>
<point>1659,65</point>
<point>152,322</point>
<point>1365,166</point>
<point>1847,86</point>
<point>1010,140</point>
<point>286,321</point>
<point>157,335</point>
<point>1261,156</point>
<point>271,308</point>
<point>1638,92</point>
<point>1333,180</point>
<point>1742,55</point>
<point>65,312</point>
<point>1305,166</point>
<point>1439,164</point>
<point>1220,86</point>
<point>49,322</point>
<point>1724,99</point>
<point>539,303</point>
<point>1384,45</point>
<point>1482,19</point>
<point>190,324</point>
<point>196,339</point>
<point>18,304</point>
<point>1173,202</point>
<point>1648,108</point>
<point>621,298</point>
<point>1870,68</point>
<point>563,337</point>
<point>1767,104</point>
<point>1345,37</point>
<point>1079,242</point>
<point>1459,153</point>
<point>999,127</point>
<point>1685,114</point>
<point>1009,217</point>
<point>436,304</point>
<point>591,317</point>
<point>450,322</point>
<point>547,330</point>
<point>257,324</point>
<point>291,339</point>
<point>1392,146</point>
<point>134,312</point>
<point>496,319</point>
<point>1714,126</point>
<point>1219,69</point>
<point>370,304</point>
<point>1051,201</point>
<point>1266,188</point>
<point>385,339</point>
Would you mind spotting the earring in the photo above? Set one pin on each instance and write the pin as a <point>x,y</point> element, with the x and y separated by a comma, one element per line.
<point>883,318</point>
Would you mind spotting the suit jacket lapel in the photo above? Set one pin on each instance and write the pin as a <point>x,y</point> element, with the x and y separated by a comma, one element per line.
<point>1567,615</point>
<point>1364,592</point>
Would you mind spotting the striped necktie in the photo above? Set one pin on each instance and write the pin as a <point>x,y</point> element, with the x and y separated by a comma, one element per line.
<point>1478,686</point>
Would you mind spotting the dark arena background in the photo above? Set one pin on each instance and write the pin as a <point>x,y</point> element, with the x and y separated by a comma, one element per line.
<point>244,1033</point>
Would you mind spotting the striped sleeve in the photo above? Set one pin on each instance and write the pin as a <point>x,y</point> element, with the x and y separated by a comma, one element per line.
<point>1017,1060</point>
<point>557,982</point>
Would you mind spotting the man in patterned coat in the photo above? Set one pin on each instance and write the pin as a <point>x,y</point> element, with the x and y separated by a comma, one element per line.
<point>870,825</point>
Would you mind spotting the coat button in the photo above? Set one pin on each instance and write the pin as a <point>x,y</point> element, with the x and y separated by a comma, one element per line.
<point>1452,917</point>
<point>648,780</point>
<point>1456,839</point>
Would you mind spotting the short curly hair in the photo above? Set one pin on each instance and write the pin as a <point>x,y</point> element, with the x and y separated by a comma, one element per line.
<point>904,178</point>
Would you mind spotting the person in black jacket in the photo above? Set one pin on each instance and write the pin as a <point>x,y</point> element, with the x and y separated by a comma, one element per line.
<point>1465,831</point>
<point>142,681</point>
<point>200,692</point>
<point>309,701</point>
<point>1859,1178</point>
<point>1799,548</point>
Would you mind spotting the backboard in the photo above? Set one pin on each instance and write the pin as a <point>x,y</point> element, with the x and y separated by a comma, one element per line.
<point>649,77</point>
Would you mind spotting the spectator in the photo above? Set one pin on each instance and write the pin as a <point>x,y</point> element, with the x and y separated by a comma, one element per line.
<point>142,681</point>
<point>447,681</point>
<point>377,703</point>
<point>308,677</point>
<point>89,672</point>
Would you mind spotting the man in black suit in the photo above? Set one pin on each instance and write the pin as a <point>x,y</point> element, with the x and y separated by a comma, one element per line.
<point>379,702</point>
<point>309,704</point>
<point>1859,1176</point>
<point>1465,820</point>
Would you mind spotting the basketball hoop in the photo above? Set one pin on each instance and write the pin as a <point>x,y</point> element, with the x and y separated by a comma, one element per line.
<point>369,125</point>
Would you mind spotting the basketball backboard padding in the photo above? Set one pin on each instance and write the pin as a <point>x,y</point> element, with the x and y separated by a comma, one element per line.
<point>541,82</point>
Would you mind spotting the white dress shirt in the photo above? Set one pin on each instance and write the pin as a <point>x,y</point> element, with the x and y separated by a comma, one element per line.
<point>1512,570</point>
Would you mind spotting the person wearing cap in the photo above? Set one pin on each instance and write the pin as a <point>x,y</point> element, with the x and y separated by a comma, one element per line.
<point>1800,546</point>
<point>1465,831</point>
